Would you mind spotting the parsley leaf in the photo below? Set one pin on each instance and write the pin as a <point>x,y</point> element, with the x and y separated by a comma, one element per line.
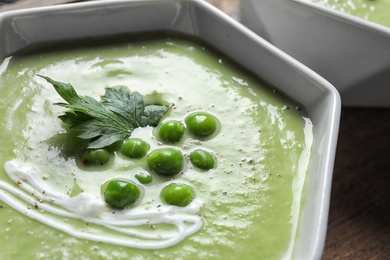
<point>112,119</point>
<point>135,110</point>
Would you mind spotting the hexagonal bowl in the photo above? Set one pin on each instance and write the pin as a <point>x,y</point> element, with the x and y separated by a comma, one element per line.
<point>22,28</point>
<point>351,53</point>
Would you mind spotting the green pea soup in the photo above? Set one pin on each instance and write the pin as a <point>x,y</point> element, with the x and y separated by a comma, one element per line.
<point>249,202</point>
<point>376,11</point>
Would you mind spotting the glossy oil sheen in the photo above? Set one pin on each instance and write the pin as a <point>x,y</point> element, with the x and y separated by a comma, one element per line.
<point>252,198</point>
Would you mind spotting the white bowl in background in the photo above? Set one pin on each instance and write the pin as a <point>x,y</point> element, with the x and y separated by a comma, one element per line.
<point>19,29</point>
<point>351,53</point>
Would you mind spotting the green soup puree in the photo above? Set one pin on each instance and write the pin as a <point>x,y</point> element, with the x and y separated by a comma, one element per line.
<point>377,11</point>
<point>247,200</point>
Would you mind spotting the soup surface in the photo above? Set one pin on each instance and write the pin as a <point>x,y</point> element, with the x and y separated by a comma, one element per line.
<point>377,11</point>
<point>246,206</point>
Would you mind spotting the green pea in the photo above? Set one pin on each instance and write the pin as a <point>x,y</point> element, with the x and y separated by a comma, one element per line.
<point>165,161</point>
<point>177,194</point>
<point>120,193</point>
<point>171,131</point>
<point>135,148</point>
<point>201,123</point>
<point>202,159</point>
<point>144,177</point>
<point>95,157</point>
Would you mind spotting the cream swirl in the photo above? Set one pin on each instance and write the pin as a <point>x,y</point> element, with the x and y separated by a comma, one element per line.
<point>129,224</point>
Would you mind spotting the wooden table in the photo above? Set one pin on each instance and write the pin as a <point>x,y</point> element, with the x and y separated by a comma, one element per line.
<point>359,219</point>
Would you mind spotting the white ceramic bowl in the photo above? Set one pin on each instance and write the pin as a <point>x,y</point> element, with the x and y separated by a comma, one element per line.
<point>22,28</point>
<point>352,53</point>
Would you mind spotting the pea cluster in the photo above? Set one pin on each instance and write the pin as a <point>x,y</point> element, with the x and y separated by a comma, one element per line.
<point>121,193</point>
